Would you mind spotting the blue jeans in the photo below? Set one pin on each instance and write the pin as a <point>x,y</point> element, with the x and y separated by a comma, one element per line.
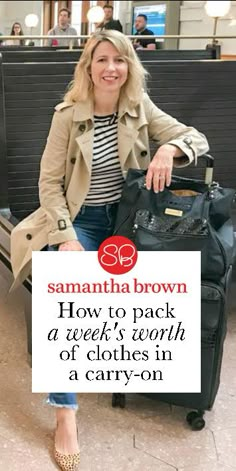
<point>93,224</point>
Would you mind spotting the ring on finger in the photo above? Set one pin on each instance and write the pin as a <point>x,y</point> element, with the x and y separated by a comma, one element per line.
<point>161,177</point>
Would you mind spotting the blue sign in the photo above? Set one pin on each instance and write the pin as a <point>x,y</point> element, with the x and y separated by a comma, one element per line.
<point>156,17</point>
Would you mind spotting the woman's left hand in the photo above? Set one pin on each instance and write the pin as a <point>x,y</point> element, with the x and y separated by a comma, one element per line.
<point>160,169</point>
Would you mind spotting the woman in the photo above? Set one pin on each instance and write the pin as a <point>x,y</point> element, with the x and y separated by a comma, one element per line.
<point>16,30</point>
<point>100,130</point>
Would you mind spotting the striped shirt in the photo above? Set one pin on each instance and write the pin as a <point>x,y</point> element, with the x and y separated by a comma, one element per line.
<point>106,178</point>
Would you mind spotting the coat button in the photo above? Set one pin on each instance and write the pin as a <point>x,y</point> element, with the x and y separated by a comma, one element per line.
<point>73,160</point>
<point>28,236</point>
<point>82,127</point>
<point>143,153</point>
<point>188,141</point>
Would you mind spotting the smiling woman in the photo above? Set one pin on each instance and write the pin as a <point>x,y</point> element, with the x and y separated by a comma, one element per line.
<point>109,71</point>
<point>110,49</point>
<point>101,129</point>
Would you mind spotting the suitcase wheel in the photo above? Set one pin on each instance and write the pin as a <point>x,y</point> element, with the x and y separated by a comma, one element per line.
<point>118,400</point>
<point>195,420</point>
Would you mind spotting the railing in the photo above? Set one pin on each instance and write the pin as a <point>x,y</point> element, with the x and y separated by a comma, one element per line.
<point>86,36</point>
<point>158,38</point>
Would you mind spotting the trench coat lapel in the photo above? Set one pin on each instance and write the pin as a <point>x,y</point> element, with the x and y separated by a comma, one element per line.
<point>128,131</point>
<point>83,113</point>
<point>85,143</point>
<point>126,141</point>
<point>127,136</point>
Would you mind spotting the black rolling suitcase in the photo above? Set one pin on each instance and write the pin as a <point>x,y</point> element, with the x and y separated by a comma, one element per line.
<point>214,295</point>
<point>214,320</point>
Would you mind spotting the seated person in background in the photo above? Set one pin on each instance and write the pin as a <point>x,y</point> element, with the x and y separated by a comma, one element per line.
<point>140,25</point>
<point>63,29</point>
<point>16,30</point>
<point>109,22</point>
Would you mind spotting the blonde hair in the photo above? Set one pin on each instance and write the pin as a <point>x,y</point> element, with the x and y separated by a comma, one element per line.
<point>82,86</point>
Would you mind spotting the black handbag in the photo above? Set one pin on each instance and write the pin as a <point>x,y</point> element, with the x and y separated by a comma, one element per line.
<point>188,215</point>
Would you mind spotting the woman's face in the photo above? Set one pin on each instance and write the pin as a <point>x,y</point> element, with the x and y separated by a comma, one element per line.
<point>16,29</point>
<point>109,70</point>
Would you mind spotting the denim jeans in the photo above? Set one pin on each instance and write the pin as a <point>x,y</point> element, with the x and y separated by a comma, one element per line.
<point>93,224</point>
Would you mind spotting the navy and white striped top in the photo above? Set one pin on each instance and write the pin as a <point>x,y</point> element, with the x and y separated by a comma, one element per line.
<point>106,179</point>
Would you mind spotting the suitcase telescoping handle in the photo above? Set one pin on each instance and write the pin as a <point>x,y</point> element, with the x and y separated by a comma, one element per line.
<point>209,167</point>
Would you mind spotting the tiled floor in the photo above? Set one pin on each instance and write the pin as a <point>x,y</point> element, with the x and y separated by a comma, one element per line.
<point>146,436</point>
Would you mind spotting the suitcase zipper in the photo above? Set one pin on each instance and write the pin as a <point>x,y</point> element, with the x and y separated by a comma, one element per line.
<point>222,321</point>
<point>224,257</point>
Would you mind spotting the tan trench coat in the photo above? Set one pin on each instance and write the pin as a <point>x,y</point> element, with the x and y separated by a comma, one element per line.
<point>66,168</point>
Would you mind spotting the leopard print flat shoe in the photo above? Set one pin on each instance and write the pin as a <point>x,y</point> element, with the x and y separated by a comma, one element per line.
<point>67,462</point>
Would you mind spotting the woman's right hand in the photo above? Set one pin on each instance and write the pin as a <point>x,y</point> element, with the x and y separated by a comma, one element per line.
<point>73,245</point>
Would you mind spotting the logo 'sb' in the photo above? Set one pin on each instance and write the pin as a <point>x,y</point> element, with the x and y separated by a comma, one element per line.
<point>117,255</point>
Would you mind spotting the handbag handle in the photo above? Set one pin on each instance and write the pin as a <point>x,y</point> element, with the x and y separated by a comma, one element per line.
<point>209,159</point>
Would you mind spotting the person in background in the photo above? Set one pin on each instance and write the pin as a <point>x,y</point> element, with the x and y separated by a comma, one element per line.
<point>101,129</point>
<point>16,30</point>
<point>109,22</point>
<point>141,29</point>
<point>63,29</point>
